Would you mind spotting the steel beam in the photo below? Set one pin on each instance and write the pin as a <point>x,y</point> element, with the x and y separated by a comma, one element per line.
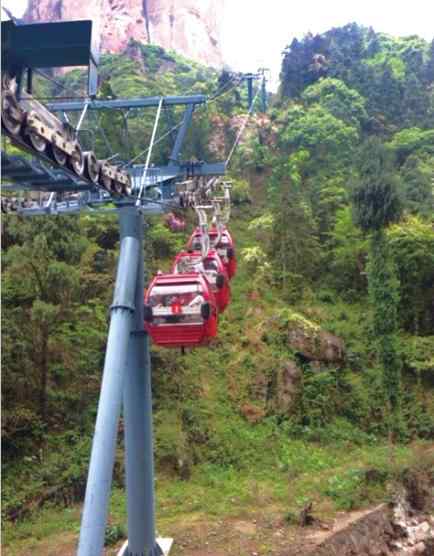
<point>180,136</point>
<point>138,436</point>
<point>204,168</point>
<point>99,480</point>
<point>139,455</point>
<point>159,174</point>
<point>249,90</point>
<point>144,102</point>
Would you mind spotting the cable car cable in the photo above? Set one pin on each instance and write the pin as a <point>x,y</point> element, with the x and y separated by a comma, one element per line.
<point>242,128</point>
<point>148,158</point>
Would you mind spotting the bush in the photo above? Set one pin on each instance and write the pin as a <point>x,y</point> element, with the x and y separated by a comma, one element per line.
<point>165,243</point>
<point>240,192</point>
<point>113,534</point>
<point>345,489</point>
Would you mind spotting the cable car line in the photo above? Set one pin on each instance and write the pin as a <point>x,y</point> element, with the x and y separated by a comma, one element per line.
<point>175,314</point>
<point>242,128</point>
<point>148,157</point>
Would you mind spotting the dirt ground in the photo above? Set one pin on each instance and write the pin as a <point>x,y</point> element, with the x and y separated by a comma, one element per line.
<point>265,534</point>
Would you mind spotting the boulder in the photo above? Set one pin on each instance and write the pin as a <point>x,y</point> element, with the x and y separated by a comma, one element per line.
<point>313,343</point>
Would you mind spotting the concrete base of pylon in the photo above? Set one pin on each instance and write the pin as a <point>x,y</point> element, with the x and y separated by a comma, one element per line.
<point>162,548</point>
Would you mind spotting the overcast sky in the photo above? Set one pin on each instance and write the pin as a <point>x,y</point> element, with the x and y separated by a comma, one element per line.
<point>256,31</point>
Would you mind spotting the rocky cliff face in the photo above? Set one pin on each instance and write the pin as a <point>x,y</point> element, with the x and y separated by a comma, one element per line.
<point>191,27</point>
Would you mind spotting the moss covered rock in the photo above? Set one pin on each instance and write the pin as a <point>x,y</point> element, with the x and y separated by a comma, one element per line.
<point>309,340</point>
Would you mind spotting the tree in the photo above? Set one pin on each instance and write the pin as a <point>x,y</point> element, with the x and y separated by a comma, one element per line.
<point>294,244</point>
<point>298,69</point>
<point>376,205</point>
<point>412,140</point>
<point>327,138</point>
<point>49,286</point>
<point>417,174</point>
<point>429,66</point>
<point>341,101</point>
<point>348,255</point>
<point>332,197</point>
<point>412,246</point>
<point>416,101</point>
<point>375,197</point>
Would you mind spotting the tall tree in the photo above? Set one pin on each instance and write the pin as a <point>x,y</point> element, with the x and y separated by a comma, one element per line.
<point>376,205</point>
<point>294,244</point>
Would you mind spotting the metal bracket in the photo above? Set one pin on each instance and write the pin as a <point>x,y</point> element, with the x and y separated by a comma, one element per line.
<point>131,308</point>
<point>139,333</point>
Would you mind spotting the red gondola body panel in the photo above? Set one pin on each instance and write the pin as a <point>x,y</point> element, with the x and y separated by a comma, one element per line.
<point>180,310</point>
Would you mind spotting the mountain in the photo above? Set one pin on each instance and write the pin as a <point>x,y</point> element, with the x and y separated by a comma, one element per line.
<point>394,75</point>
<point>191,27</point>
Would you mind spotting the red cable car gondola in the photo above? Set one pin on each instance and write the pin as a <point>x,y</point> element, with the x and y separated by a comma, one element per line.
<point>225,247</point>
<point>213,268</point>
<point>180,310</point>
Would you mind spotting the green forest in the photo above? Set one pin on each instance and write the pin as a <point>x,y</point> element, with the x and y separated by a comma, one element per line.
<point>320,386</point>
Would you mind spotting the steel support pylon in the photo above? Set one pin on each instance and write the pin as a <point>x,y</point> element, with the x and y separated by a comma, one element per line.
<point>127,375</point>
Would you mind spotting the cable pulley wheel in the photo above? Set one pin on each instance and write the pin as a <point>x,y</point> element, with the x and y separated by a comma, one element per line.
<point>127,188</point>
<point>11,114</point>
<point>58,155</point>
<point>6,82</point>
<point>106,182</point>
<point>92,166</point>
<point>118,187</point>
<point>35,140</point>
<point>76,160</point>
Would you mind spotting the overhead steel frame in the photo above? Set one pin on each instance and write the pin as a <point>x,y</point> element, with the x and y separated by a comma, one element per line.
<point>175,169</point>
<point>49,45</point>
<point>33,175</point>
<point>250,77</point>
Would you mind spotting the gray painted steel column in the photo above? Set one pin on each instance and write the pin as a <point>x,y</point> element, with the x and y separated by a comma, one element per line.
<point>104,442</point>
<point>139,461</point>
<point>250,90</point>
<point>186,120</point>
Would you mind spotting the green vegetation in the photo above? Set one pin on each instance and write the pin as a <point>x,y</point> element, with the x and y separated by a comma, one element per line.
<point>376,206</point>
<point>331,309</point>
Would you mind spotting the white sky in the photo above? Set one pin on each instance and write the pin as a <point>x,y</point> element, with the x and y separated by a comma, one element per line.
<point>256,31</point>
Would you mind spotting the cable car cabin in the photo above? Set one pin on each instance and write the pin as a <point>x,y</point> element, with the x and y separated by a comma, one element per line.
<point>180,310</point>
<point>225,248</point>
<point>212,267</point>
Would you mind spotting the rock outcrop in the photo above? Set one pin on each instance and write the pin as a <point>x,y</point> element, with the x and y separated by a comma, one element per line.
<point>288,378</point>
<point>313,343</point>
<point>405,527</point>
<point>383,531</point>
<point>191,27</point>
